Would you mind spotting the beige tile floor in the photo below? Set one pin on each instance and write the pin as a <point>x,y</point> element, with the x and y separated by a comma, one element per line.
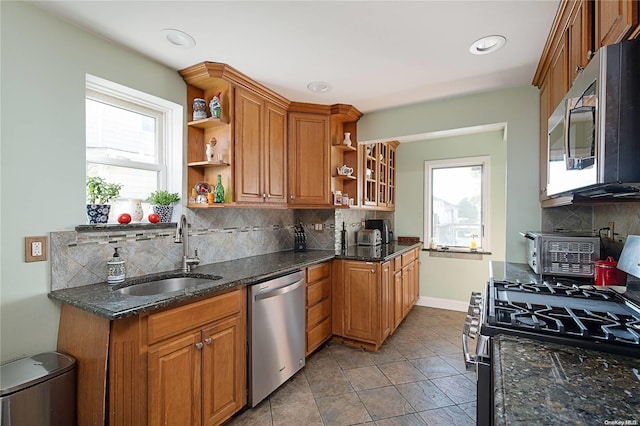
<point>416,378</point>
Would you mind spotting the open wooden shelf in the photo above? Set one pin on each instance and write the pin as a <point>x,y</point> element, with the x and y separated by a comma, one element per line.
<point>207,123</point>
<point>208,164</point>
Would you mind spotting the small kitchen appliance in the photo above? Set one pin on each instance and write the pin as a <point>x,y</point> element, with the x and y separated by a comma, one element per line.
<point>383,225</point>
<point>369,237</point>
<point>562,254</point>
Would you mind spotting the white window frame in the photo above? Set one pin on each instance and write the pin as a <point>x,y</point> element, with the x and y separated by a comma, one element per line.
<point>170,130</point>
<point>484,161</point>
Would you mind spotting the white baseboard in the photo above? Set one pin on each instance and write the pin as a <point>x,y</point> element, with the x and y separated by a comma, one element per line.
<point>434,302</point>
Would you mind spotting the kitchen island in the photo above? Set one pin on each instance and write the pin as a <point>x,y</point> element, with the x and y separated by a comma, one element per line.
<point>543,383</point>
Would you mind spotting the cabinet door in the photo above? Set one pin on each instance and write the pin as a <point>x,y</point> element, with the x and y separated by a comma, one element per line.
<point>174,381</point>
<point>397,299</point>
<point>614,20</point>
<point>416,281</point>
<point>386,300</point>
<point>559,73</point>
<point>580,44</point>
<point>223,370</point>
<point>275,151</point>
<point>407,289</point>
<point>248,147</point>
<point>361,301</point>
<point>309,156</point>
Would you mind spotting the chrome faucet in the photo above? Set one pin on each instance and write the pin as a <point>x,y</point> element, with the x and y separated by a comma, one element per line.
<point>182,236</point>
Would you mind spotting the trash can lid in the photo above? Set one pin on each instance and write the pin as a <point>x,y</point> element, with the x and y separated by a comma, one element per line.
<point>25,372</point>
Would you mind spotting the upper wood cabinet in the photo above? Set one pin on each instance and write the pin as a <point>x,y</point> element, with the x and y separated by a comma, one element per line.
<point>250,134</point>
<point>260,150</point>
<point>309,159</point>
<point>580,34</point>
<point>379,175</point>
<point>615,20</point>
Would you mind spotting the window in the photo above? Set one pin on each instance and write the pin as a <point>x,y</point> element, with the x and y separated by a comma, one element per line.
<point>457,203</point>
<point>132,138</point>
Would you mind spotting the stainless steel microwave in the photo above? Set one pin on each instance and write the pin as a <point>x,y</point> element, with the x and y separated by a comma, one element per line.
<point>594,134</point>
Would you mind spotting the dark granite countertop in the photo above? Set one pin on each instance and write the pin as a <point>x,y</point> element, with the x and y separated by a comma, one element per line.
<point>540,383</point>
<point>101,299</point>
<point>380,253</point>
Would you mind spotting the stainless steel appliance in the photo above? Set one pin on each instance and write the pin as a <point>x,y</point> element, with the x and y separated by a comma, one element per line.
<point>560,310</point>
<point>276,333</point>
<point>369,237</point>
<point>384,226</point>
<point>594,134</point>
<point>562,254</point>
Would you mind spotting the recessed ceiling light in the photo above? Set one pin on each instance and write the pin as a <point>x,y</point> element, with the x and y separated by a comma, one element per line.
<point>179,38</point>
<point>319,86</point>
<point>487,44</point>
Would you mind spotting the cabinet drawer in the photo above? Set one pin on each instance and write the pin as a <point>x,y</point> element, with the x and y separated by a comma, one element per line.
<point>318,313</point>
<point>169,323</point>
<point>318,334</point>
<point>408,257</point>
<point>316,272</point>
<point>318,291</point>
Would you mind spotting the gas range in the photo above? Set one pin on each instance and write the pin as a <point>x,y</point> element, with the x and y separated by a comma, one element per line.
<point>566,312</point>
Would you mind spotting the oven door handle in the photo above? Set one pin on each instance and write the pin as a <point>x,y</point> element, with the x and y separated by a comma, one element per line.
<point>469,359</point>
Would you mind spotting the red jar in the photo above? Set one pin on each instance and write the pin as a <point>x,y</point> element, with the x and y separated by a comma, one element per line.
<point>607,273</point>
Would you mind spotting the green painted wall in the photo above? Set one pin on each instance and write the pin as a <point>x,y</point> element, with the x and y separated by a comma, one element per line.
<point>518,108</point>
<point>447,278</point>
<point>42,173</point>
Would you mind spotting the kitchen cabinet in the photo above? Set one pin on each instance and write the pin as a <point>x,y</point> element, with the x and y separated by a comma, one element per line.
<point>183,365</point>
<point>260,150</point>
<point>379,180</point>
<point>370,299</point>
<point>318,306</point>
<point>250,135</point>
<point>309,159</point>
<point>580,36</point>
<point>344,119</point>
<point>614,20</point>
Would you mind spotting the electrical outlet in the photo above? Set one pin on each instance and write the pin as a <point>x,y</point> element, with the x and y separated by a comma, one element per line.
<point>318,227</point>
<point>35,249</point>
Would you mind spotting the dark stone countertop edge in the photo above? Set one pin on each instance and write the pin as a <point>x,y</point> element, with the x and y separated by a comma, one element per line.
<point>101,299</point>
<point>368,254</point>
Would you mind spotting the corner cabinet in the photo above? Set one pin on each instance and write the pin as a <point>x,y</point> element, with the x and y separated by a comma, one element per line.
<point>309,159</point>
<point>183,365</point>
<point>250,137</point>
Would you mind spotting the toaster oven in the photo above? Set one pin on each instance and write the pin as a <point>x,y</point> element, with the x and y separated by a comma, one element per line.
<point>369,237</point>
<point>562,254</point>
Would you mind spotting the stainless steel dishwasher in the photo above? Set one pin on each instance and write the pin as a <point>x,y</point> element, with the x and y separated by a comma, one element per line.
<point>276,333</point>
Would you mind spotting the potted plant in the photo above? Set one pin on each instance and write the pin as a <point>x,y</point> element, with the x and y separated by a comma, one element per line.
<point>163,202</point>
<point>99,194</point>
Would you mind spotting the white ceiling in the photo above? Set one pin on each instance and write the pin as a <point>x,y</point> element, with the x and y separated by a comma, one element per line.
<point>375,54</point>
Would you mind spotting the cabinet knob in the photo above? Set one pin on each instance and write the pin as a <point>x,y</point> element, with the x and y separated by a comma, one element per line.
<point>291,196</point>
<point>264,195</point>
<point>268,195</point>
<point>199,345</point>
<point>579,69</point>
<point>208,340</point>
<point>373,271</point>
<point>589,54</point>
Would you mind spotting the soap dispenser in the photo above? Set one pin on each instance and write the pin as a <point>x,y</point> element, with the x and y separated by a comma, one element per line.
<point>115,268</point>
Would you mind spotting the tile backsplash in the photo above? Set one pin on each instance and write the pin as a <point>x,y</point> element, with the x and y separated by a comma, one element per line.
<point>79,258</point>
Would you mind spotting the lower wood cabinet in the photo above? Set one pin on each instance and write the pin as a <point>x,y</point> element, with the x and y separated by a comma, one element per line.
<point>182,366</point>
<point>318,305</point>
<point>370,299</point>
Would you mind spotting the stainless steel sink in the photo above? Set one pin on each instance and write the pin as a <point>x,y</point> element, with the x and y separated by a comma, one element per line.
<point>167,285</point>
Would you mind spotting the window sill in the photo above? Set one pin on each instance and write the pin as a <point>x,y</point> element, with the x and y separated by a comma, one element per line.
<point>110,227</point>
<point>457,253</point>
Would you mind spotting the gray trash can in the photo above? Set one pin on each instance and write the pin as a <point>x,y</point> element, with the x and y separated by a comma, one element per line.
<point>38,391</point>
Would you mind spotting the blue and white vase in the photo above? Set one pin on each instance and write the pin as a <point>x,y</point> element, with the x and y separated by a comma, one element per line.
<point>165,213</point>
<point>98,213</point>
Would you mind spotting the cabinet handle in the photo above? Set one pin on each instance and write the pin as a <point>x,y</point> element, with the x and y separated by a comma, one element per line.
<point>292,197</point>
<point>199,345</point>
<point>268,195</point>
<point>207,340</point>
<point>264,195</point>
<point>589,54</point>
<point>373,271</point>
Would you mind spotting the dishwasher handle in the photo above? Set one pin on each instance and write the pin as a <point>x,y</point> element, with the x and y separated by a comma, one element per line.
<point>278,291</point>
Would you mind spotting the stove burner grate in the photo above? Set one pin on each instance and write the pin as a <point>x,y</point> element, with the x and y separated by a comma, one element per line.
<point>582,323</point>
<point>558,288</point>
